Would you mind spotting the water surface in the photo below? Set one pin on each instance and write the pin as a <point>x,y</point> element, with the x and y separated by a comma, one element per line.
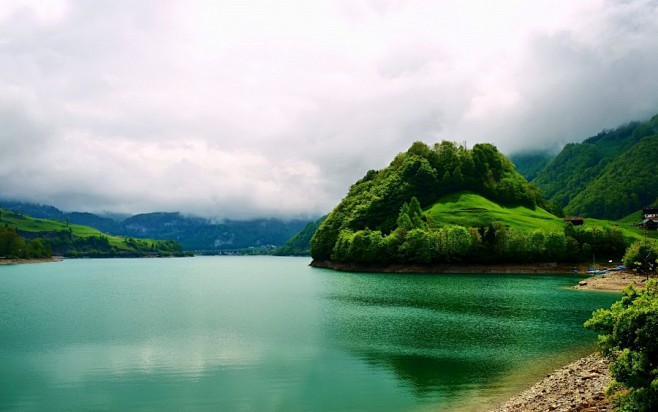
<point>266,333</point>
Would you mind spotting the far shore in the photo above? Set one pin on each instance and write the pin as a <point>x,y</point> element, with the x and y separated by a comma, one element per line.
<point>5,261</point>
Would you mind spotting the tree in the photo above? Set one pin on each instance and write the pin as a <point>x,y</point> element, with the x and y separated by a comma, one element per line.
<point>630,339</point>
<point>642,257</point>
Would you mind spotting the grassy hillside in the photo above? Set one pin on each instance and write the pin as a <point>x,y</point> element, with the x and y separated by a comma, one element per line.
<point>78,240</point>
<point>473,210</point>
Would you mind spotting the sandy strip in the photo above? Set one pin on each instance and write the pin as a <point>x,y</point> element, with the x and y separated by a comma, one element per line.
<point>612,281</point>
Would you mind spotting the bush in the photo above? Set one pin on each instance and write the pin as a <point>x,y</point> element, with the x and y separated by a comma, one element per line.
<point>630,340</point>
<point>642,257</point>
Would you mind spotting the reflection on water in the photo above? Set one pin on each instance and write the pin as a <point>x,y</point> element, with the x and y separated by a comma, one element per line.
<point>262,333</point>
<point>447,335</point>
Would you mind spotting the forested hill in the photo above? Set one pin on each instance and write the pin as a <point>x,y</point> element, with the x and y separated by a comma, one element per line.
<point>423,174</point>
<point>23,236</point>
<point>607,176</point>
<point>193,233</point>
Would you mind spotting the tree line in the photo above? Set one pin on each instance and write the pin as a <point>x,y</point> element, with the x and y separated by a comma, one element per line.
<point>414,241</point>
<point>14,246</point>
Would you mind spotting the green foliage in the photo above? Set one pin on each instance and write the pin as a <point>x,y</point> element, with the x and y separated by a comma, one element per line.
<point>607,176</point>
<point>629,337</point>
<point>642,257</point>
<point>626,183</point>
<point>14,246</point>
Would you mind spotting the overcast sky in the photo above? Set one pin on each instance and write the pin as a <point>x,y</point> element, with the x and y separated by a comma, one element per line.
<point>250,108</point>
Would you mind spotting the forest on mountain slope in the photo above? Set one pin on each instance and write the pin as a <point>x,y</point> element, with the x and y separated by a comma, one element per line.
<point>607,176</point>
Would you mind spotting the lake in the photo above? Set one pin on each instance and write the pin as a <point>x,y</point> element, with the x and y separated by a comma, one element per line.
<point>273,334</point>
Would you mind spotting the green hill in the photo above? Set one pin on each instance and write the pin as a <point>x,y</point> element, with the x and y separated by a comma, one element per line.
<point>473,210</point>
<point>607,176</point>
<point>451,204</point>
<point>73,240</point>
<point>426,174</point>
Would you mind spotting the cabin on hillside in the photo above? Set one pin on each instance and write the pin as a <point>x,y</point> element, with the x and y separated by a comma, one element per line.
<point>650,221</point>
<point>650,212</point>
<point>575,220</point>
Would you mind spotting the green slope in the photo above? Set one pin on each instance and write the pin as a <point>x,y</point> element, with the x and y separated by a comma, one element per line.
<point>473,210</point>
<point>73,240</point>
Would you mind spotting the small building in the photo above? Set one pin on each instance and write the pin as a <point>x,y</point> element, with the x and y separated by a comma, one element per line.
<point>650,212</point>
<point>575,220</point>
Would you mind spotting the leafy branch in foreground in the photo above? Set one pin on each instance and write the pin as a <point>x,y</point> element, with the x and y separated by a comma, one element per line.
<point>630,340</point>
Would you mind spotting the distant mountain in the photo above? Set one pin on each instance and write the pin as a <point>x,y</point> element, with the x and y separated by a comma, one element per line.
<point>300,243</point>
<point>627,183</point>
<point>608,176</point>
<point>192,233</point>
<point>202,235</point>
<point>529,164</point>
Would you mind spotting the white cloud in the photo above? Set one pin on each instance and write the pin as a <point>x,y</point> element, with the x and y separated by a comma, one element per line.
<point>257,108</point>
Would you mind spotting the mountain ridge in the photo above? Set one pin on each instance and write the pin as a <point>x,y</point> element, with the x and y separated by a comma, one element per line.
<point>193,233</point>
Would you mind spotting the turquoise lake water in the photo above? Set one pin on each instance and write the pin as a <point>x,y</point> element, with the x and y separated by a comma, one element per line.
<point>273,334</point>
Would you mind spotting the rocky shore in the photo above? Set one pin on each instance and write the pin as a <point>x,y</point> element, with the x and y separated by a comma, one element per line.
<point>577,387</point>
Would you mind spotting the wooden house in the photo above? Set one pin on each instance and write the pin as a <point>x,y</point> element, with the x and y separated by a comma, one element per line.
<point>575,220</point>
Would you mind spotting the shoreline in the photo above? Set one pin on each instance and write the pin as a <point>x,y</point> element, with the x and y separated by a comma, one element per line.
<point>542,268</point>
<point>580,385</point>
<point>5,261</point>
<point>612,281</point>
<point>577,386</point>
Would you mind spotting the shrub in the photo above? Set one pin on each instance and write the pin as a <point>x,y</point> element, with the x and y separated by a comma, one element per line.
<point>642,257</point>
<point>630,340</point>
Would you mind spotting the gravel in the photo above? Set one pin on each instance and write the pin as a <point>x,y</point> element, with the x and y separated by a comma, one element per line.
<point>579,386</point>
